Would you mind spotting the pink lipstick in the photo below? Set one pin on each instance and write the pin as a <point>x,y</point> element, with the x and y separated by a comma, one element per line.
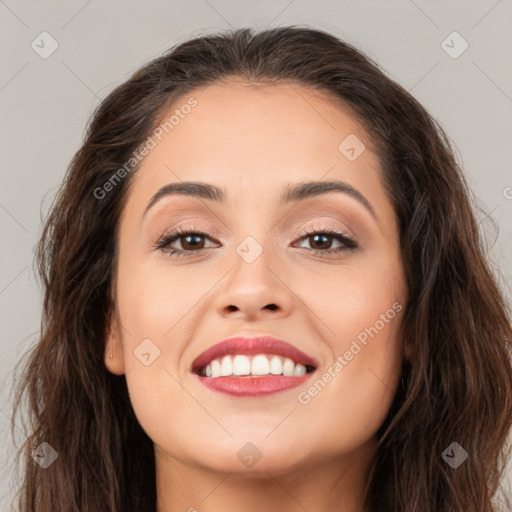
<point>253,366</point>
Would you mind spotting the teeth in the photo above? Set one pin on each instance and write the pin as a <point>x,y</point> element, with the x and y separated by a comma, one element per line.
<point>288,367</point>
<point>300,369</point>
<point>226,368</point>
<point>241,365</point>
<point>260,364</point>
<point>276,367</point>
<point>215,368</point>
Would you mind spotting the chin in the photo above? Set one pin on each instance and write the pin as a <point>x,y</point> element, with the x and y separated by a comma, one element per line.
<point>249,460</point>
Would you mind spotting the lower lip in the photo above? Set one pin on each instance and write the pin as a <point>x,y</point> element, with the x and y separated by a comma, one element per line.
<point>253,386</point>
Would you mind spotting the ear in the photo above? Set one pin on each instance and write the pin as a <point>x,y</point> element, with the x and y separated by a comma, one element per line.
<point>114,354</point>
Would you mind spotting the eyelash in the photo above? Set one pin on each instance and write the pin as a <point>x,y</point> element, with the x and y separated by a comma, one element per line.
<point>349,244</point>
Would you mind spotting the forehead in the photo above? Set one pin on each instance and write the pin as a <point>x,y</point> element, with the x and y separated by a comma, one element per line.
<point>253,139</point>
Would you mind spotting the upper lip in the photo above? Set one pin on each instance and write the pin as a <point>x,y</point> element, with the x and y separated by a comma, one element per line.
<point>255,345</point>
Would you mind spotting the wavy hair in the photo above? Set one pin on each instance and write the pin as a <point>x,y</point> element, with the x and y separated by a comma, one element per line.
<point>457,384</point>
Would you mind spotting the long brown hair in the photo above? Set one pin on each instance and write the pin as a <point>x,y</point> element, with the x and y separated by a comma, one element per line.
<point>457,384</point>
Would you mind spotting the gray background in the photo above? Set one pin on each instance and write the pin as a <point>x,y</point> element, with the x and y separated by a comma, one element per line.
<point>45,104</point>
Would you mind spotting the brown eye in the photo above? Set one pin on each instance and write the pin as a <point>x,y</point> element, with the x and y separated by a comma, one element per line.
<point>321,241</point>
<point>192,241</point>
<point>187,241</point>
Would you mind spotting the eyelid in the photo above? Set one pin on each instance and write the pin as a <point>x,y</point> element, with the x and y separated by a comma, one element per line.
<point>347,240</point>
<point>324,226</point>
<point>210,230</point>
<point>194,225</point>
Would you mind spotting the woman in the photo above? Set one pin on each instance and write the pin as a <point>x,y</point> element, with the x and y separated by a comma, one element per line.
<point>201,349</point>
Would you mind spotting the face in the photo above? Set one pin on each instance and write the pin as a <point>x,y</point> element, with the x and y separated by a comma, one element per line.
<point>320,271</point>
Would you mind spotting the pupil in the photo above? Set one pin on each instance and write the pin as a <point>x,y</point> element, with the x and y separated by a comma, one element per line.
<point>193,244</point>
<point>316,237</point>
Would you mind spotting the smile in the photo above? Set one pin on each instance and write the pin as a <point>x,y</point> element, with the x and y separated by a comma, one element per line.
<point>260,364</point>
<point>253,366</point>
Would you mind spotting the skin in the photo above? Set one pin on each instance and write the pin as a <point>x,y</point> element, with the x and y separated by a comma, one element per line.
<point>252,141</point>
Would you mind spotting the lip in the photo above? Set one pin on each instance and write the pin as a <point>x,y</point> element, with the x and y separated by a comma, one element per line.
<point>251,346</point>
<point>252,386</point>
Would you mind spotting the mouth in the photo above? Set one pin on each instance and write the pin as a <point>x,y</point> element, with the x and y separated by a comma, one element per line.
<point>253,366</point>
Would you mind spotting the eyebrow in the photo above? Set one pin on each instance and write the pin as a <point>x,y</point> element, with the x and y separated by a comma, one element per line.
<point>293,192</point>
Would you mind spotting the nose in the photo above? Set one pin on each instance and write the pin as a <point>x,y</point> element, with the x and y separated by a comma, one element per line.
<point>255,291</point>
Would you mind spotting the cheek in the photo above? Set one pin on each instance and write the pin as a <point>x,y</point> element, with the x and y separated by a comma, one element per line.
<point>157,311</point>
<point>361,312</point>
<point>354,391</point>
<point>349,299</point>
<point>154,304</point>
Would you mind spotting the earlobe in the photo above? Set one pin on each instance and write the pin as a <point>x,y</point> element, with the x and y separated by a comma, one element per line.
<point>114,355</point>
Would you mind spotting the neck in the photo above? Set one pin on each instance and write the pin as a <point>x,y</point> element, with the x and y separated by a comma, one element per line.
<point>336,485</point>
